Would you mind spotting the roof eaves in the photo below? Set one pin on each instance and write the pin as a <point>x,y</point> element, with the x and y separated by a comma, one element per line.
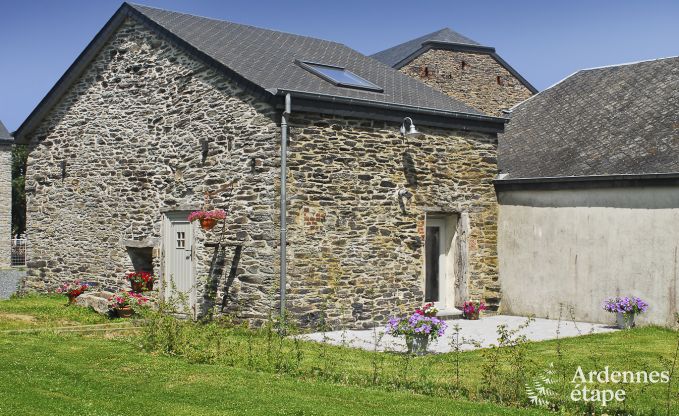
<point>467,121</point>
<point>591,181</point>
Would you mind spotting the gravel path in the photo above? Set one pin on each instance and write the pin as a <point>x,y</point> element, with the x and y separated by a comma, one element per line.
<point>483,331</point>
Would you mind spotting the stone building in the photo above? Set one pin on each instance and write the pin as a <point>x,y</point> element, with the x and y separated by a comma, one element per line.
<point>462,68</point>
<point>589,203</point>
<point>6,142</point>
<point>165,113</point>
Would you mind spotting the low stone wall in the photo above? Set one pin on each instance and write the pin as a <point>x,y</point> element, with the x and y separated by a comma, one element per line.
<point>9,281</point>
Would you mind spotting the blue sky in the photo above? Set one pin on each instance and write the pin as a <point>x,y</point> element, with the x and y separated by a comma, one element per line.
<point>544,40</point>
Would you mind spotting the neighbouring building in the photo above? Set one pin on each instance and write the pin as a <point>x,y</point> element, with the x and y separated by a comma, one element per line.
<point>589,202</point>
<point>462,68</point>
<point>5,196</point>
<point>165,113</point>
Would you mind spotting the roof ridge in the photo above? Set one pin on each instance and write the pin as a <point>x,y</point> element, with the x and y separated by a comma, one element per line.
<point>643,61</point>
<point>137,5</point>
<point>595,68</point>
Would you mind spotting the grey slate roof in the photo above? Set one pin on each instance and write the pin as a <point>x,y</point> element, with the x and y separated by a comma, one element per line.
<point>264,61</point>
<point>267,59</point>
<point>394,55</point>
<point>618,120</point>
<point>4,134</point>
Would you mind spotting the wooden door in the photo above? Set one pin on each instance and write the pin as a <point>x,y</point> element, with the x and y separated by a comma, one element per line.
<point>178,278</point>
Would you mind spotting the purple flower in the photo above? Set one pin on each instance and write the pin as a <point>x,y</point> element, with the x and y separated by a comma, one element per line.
<point>627,305</point>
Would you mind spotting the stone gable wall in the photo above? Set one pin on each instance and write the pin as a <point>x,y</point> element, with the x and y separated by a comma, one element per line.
<point>147,128</point>
<point>476,79</point>
<point>5,204</point>
<point>354,250</point>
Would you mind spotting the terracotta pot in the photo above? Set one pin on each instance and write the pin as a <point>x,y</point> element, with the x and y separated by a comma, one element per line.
<point>124,312</point>
<point>471,316</point>
<point>208,223</point>
<point>137,287</point>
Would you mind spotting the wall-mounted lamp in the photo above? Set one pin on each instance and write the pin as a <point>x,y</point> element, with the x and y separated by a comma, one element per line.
<point>408,128</point>
<point>404,198</point>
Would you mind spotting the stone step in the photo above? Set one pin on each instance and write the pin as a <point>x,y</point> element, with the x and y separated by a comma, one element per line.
<point>450,313</point>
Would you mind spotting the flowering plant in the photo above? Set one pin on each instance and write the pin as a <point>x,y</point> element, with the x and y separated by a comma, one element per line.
<point>73,289</point>
<point>427,310</point>
<point>417,325</point>
<point>216,214</point>
<point>472,309</point>
<point>626,305</point>
<point>140,277</point>
<point>126,299</point>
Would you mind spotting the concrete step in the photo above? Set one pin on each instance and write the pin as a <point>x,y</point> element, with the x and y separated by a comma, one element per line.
<point>450,313</point>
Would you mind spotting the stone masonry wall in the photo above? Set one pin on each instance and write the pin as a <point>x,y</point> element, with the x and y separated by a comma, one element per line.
<point>5,203</point>
<point>354,251</point>
<point>148,128</point>
<point>476,79</point>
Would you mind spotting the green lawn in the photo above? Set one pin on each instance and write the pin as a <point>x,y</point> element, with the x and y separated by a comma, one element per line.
<point>71,375</point>
<point>216,370</point>
<point>44,311</point>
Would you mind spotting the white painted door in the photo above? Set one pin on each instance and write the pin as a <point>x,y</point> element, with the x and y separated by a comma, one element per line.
<point>178,277</point>
<point>436,283</point>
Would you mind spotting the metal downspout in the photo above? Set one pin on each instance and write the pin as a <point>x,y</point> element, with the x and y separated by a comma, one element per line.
<point>284,167</point>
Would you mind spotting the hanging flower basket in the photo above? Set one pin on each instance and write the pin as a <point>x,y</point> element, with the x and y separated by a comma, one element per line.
<point>208,223</point>
<point>207,219</point>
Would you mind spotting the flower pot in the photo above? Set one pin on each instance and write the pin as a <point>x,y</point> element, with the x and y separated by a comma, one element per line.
<point>417,345</point>
<point>207,223</point>
<point>137,287</point>
<point>72,298</point>
<point>124,312</point>
<point>625,320</point>
<point>471,316</point>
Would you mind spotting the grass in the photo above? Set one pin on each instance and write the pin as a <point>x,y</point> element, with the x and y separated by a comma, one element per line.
<point>71,375</point>
<point>46,373</point>
<point>39,311</point>
<point>213,370</point>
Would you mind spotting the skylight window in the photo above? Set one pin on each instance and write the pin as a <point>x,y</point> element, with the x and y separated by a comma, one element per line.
<point>339,76</point>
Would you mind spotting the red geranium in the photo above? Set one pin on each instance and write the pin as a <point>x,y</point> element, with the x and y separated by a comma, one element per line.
<point>73,289</point>
<point>427,310</point>
<point>140,277</point>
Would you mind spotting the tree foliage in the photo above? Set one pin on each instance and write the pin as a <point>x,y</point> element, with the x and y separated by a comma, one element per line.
<point>19,157</point>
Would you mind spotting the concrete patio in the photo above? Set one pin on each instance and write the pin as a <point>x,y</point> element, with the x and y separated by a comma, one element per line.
<point>483,332</point>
